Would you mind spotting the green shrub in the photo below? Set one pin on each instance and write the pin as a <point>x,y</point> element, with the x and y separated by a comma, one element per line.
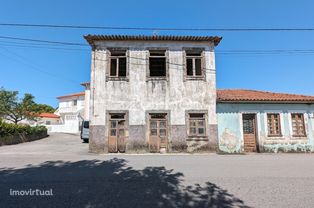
<point>7,129</point>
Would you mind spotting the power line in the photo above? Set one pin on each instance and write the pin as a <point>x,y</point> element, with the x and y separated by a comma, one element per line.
<point>49,44</point>
<point>43,41</point>
<point>24,61</point>
<point>155,28</point>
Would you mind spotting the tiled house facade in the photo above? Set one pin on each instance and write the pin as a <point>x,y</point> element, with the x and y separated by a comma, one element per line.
<point>255,121</point>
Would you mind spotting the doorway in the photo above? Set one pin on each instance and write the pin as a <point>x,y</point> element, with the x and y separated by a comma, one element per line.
<point>249,132</point>
<point>117,133</point>
<point>158,132</point>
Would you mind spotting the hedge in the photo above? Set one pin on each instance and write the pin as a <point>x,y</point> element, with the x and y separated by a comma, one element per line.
<point>17,133</point>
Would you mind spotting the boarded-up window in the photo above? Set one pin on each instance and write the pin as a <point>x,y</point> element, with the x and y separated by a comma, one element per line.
<point>194,63</point>
<point>298,126</point>
<point>273,124</point>
<point>157,63</point>
<point>197,126</point>
<point>118,64</point>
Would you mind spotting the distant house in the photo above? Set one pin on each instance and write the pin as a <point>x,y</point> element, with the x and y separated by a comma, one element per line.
<point>256,121</point>
<point>72,111</point>
<point>48,119</point>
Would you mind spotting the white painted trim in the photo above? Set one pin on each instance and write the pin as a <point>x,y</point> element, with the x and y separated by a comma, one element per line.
<point>282,125</point>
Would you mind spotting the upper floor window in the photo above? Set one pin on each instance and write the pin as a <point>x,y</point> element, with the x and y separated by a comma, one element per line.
<point>197,126</point>
<point>194,63</point>
<point>118,63</point>
<point>157,63</point>
<point>298,126</point>
<point>273,124</point>
<point>75,102</point>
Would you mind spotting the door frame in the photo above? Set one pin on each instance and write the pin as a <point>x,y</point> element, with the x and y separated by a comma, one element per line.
<point>147,127</point>
<point>107,127</point>
<point>257,125</point>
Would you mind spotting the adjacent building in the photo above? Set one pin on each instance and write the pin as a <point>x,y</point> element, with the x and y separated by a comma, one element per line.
<point>153,93</point>
<point>256,121</point>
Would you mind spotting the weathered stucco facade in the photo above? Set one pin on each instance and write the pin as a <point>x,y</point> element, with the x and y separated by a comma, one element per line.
<point>231,135</point>
<point>137,95</point>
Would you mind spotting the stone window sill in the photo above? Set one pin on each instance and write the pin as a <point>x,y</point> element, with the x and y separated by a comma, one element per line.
<point>195,78</point>
<point>156,79</point>
<point>124,79</point>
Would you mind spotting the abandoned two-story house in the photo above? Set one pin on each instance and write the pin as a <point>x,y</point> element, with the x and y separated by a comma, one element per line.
<point>153,93</point>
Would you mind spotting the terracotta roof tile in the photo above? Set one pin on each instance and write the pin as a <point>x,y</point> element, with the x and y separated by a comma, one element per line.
<point>91,38</point>
<point>48,115</point>
<point>254,96</point>
<point>72,95</point>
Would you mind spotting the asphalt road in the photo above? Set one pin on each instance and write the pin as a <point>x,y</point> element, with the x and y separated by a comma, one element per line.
<point>61,163</point>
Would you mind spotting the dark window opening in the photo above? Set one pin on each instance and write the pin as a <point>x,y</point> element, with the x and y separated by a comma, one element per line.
<point>198,67</point>
<point>158,115</point>
<point>196,115</point>
<point>189,67</point>
<point>117,116</point>
<point>86,124</point>
<point>194,63</point>
<point>118,64</point>
<point>157,64</point>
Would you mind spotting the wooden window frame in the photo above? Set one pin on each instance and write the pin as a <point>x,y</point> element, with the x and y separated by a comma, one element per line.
<point>298,125</point>
<point>116,77</point>
<point>201,51</point>
<point>197,127</point>
<point>158,120</point>
<point>270,134</point>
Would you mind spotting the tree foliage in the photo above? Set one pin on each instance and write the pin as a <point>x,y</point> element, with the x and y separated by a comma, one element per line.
<point>15,110</point>
<point>43,108</point>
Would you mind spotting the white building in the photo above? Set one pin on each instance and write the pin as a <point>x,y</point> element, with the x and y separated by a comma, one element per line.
<point>72,111</point>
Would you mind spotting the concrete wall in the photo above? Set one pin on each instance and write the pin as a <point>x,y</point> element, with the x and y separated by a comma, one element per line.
<point>231,134</point>
<point>87,103</point>
<point>69,126</point>
<point>139,95</point>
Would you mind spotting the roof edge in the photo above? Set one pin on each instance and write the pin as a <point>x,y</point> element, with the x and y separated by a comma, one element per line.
<point>92,38</point>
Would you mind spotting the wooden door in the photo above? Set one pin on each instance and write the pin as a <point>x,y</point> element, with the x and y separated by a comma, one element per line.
<point>158,133</point>
<point>113,136</point>
<point>121,136</point>
<point>117,134</point>
<point>249,132</point>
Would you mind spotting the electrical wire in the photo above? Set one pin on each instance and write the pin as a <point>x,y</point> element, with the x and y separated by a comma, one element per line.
<point>155,28</point>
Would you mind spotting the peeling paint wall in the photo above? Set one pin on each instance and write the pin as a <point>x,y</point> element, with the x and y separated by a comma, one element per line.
<point>230,131</point>
<point>139,95</point>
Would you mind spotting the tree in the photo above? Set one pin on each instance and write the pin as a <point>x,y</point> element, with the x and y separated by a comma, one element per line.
<point>14,109</point>
<point>43,108</point>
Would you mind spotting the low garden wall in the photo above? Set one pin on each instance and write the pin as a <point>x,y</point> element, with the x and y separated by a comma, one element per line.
<point>14,133</point>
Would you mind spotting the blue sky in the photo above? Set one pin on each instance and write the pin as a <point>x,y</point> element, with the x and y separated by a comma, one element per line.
<point>48,73</point>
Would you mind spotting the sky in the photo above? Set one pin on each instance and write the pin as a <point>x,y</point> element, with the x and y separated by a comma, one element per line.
<point>47,72</point>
